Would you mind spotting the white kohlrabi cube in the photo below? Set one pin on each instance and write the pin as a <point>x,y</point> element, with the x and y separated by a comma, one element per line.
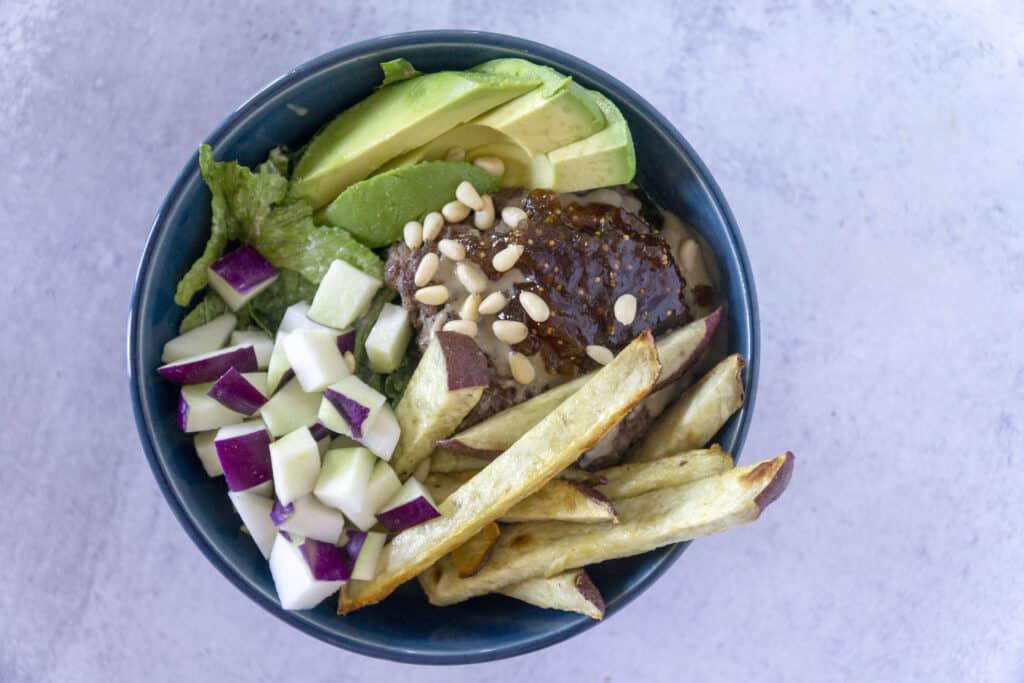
<point>260,342</point>
<point>381,487</point>
<point>203,339</point>
<point>278,365</point>
<point>342,441</point>
<point>295,459</point>
<point>289,409</point>
<point>387,341</point>
<point>343,479</point>
<point>315,358</point>
<point>344,294</point>
<point>207,453</point>
<point>349,405</point>
<point>296,317</point>
<point>197,412</point>
<point>240,275</point>
<point>293,579</point>
<point>254,510</point>
<point>366,563</point>
<point>310,517</point>
<point>382,433</point>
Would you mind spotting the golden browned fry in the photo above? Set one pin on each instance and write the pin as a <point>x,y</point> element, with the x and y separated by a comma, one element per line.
<point>544,451</point>
<point>698,414</point>
<point>661,517</point>
<point>636,478</point>
<point>570,591</point>
<point>471,555</point>
<point>677,352</point>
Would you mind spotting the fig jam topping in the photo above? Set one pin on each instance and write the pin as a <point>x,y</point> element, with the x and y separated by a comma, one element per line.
<point>579,259</point>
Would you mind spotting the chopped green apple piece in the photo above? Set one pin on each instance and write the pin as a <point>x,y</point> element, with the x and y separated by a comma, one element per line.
<point>387,341</point>
<point>343,295</point>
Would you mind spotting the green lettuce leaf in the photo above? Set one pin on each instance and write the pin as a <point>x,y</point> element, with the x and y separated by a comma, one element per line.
<point>397,70</point>
<point>268,307</point>
<point>239,198</point>
<point>289,239</point>
<point>209,307</point>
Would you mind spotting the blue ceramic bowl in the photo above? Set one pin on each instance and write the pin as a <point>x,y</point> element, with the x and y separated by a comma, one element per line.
<point>404,627</point>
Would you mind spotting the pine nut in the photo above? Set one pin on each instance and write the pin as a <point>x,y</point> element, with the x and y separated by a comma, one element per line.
<point>493,303</point>
<point>509,331</point>
<point>350,361</point>
<point>466,327</point>
<point>451,249</point>
<point>492,165</point>
<point>521,367</point>
<point>468,195</point>
<point>506,259</point>
<point>625,309</point>
<point>426,270</point>
<point>600,354</point>
<point>471,277</point>
<point>413,234</point>
<point>483,219</point>
<point>455,212</point>
<point>455,154</point>
<point>534,306</point>
<point>470,308</point>
<point>435,295</point>
<point>604,196</point>
<point>432,224</point>
<point>512,216</point>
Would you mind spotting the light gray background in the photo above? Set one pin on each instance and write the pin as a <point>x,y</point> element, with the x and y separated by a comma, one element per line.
<point>872,155</point>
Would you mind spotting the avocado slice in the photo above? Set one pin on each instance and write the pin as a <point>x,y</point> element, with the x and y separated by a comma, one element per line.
<point>376,209</point>
<point>467,136</point>
<point>603,159</point>
<point>392,121</point>
<point>557,113</point>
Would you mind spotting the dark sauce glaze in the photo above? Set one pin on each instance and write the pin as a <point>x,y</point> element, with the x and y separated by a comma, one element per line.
<point>580,259</point>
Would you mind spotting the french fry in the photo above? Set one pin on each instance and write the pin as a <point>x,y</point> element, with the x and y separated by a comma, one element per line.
<point>570,591</point>
<point>698,414</point>
<point>471,555</point>
<point>652,520</point>
<point>558,500</point>
<point>446,385</point>
<point>634,479</point>
<point>678,351</point>
<point>544,451</point>
<point>447,462</point>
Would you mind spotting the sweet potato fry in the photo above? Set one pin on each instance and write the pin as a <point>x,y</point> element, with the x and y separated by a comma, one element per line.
<point>634,479</point>
<point>570,591</point>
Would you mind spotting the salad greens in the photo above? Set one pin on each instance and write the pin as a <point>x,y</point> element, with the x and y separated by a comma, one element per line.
<point>249,206</point>
<point>269,306</point>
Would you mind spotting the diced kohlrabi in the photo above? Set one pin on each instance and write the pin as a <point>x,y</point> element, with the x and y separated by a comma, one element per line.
<point>296,317</point>
<point>240,275</point>
<point>260,341</point>
<point>199,340</point>
<point>350,405</point>
<point>315,358</point>
<point>412,505</point>
<point>382,433</point>
<point>381,487</point>
<point>207,367</point>
<point>295,459</point>
<point>266,489</point>
<point>307,516</point>
<point>343,480</point>
<point>369,554</point>
<point>344,294</point>
<point>197,412</point>
<point>254,510</point>
<point>278,368</point>
<point>233,390</point>
<point>347,341</point>
<point>207,453</point>
<point>244,454</point>
<point>297,587</point>
<point>289,409</point>
<point>386,343</point>
<point>343,441</point>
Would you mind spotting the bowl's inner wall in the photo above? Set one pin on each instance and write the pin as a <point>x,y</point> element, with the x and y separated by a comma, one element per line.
<point>404,626</point>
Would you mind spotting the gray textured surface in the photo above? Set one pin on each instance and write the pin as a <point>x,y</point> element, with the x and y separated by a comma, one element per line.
<point>872,157</point>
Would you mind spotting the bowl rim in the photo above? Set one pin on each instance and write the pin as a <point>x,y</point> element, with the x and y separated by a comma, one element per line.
<point>620,91</point>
